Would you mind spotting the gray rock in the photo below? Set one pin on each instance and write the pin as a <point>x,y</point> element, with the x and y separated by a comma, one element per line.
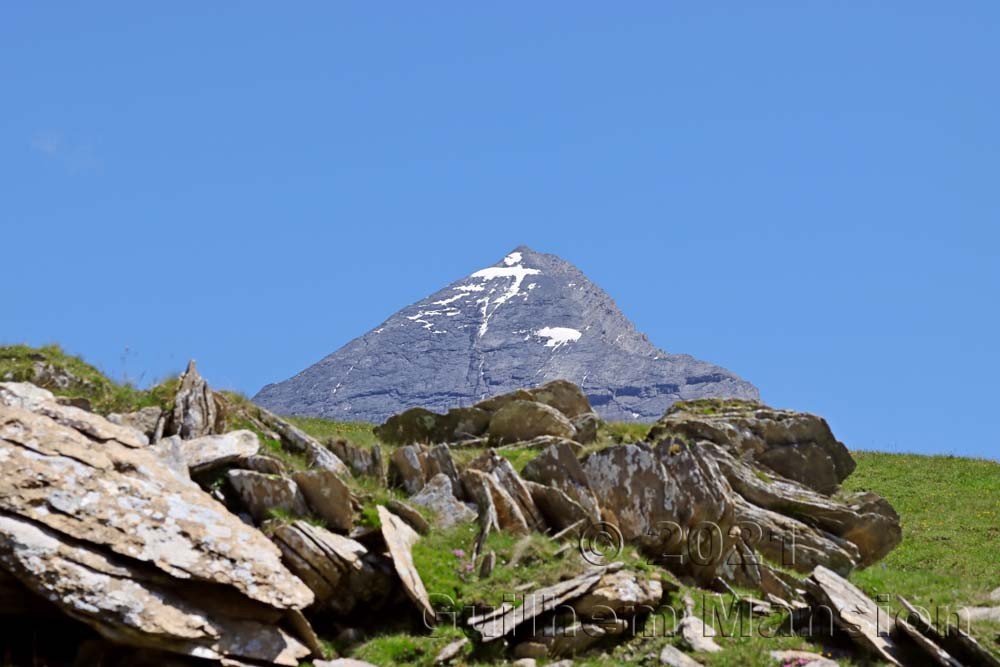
<point>674,657</point>
<point>268,465</point>
<point>451,651</point>
<point>143,420</point>
<point>262,493</point>
<point>361,460</point>
<point>328,496</point>
<point>408,468</point>
<point>620,594</point>
<point>438,496</point>
<point>399,539</point>
<point>410,515</point>
<point>811,659</point>
<point>211,451</point>
<point>530,318</point>
<point>557,466</point>
<point>195,411</point>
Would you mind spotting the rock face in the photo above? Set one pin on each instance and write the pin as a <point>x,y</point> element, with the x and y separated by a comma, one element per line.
<point>528,319</point>
<point>91,519</point>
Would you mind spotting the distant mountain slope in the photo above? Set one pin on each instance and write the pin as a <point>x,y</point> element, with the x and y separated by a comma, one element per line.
<point>529,318</point>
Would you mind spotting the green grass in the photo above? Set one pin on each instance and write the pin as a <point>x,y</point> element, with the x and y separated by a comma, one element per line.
<point>67,375</point>
<point>360,433</point>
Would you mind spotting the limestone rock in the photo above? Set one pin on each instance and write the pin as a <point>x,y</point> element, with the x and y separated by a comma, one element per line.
<point>410,515</point>
<point>195,411</point>
<point>795,445</point>
<point>564,396</point>
<point>489,496</point>
<point>866,520</point>
<point>524,420</point>
<point>400,538</point>
<point>558,509</point>
<point>296,440</point>
<point>438,496</point>
<point>268,465</point>
<point>340,571</point>
<point>586,426</point>
<point>685,508</point>
<point>328,496</point>
<point>621,593</point>
<point>451,651</point>
<point>674,657</point>
<point>855,612</point>
<point>211,451</point>
<point>261,493</point>
<point>505,619</point>
<point>696,635</point>
<point>507,478</point>
<point>362,461</point>
<point>143,420</point>
<point>557,466</point>
<point>407,468</point>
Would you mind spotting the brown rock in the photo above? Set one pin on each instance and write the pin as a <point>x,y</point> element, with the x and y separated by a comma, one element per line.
<point>491,499</point>
<point>196,412</point>
<point>328,496</point>
<point>795,445</point>
<point>557,466</point>
<point>494,403</point>
<point>361,460</point>
<point>262,493</point>
<point>410,515</point>
<point>408,468</point>
<point>586,426</point>
<point>523,420</point>
<point>855,612</point>
<point>438,496</point>
<point>619,594</point>
<point>564,396</point>
<point>558,509</point>
<point>400,538</point>
<point>298,441</point>
<point>268,465</point>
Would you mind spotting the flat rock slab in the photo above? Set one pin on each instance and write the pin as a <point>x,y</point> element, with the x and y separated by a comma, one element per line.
<point>211,451</point>
<point>262,493</point>
<point>674,657</point>
<point>328,496</point>
<point>855,612</point>
<point>506,619</point>
<point>438,495</point>
<point>400,538</point>
<point>804,658</point>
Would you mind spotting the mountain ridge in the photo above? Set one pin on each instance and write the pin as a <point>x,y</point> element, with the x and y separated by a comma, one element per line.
<point>530,318</point>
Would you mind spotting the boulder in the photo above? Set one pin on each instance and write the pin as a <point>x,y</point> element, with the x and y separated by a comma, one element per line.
<point>211,451</point>
<point>408,468</point>
<point>558,467</point>
<point>268,465</point>
<point>558,510</point>
<point>855,613</point>
<point>492,499</point>
<point>340,572</point>
<point>410,515</point>
<point>564,396</point>
<point>620,594</point>
<point>674,657</point>
<point>686,507</point>
<point>262,493</point>
<point>451,651</point>
<point>523,420</point>
<point>865,519</point>
<point>415,426</point>
<point>796,445</point>
<point>328,496</point>
<point>586,426</point>
<point>505,619</point>
<point>298,441</point>
<point>361,460</point>
<point>195,412</point>
<point>494,403</point>
<point>399,539</point>
<point>792,544</point>
<point>503,472</point>
<point>103,529</point>
<point>438,496</point>
<point>143,420</point>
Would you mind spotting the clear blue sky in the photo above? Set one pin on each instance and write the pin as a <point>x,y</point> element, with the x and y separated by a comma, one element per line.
<point>806,193</point>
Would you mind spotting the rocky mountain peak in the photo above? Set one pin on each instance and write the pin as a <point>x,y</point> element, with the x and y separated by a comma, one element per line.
<point>529,318</point>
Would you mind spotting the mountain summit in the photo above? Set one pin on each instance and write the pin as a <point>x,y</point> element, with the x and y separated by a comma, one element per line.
<point>528,319</point>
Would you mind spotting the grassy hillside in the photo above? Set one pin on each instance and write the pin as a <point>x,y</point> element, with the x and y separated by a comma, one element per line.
<point>949,557</point>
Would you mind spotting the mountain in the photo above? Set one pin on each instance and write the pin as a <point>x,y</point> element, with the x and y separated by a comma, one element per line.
<point>528,319</point>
